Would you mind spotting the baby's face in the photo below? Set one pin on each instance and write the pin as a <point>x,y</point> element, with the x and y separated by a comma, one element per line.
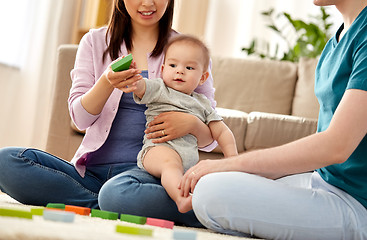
<point>183,68</point>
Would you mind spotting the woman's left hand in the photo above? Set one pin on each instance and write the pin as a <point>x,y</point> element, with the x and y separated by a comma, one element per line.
<point>170,125</point>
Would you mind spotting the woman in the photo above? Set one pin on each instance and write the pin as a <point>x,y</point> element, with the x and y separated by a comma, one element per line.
<point>103,172</point>
<point>271,193</point>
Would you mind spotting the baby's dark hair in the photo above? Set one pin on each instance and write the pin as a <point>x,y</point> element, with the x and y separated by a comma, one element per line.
<point>193,40</point>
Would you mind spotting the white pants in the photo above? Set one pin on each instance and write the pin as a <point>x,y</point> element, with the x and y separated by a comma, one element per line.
<point>301,206</point>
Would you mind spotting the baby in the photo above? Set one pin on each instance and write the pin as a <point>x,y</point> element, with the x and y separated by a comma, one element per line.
<point>184,69</point>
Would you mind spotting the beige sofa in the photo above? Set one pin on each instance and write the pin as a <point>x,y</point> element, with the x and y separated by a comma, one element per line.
<point>265,103</point>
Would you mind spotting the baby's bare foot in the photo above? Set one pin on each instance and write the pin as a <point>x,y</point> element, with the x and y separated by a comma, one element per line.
<point>184,204</point>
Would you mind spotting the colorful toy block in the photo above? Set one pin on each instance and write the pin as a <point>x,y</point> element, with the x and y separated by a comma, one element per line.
<point>160,223</point>
<point>58,216</point>
<point>56,205</point>
<point>184,235</point>
<point>37,211</point>
<point>15,213</point>
<point>104,214</point>
<point>133,219</point>
<point>134,230</point>
<point>78,210</point>
<point>122,64</point>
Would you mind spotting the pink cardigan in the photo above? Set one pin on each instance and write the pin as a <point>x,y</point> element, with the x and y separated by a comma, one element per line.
<point>87,70</point>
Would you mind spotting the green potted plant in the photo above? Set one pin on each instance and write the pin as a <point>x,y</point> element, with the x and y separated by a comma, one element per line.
<point>311,37</point>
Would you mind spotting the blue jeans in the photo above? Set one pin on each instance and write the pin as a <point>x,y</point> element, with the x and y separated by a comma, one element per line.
<point>35,177</point>
<point>301,206</point>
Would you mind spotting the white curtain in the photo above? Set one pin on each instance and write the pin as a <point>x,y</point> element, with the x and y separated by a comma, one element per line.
<point>26,86</point>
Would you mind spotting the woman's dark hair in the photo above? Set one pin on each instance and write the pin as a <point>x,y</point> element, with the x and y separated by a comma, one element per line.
<point>120,30</point>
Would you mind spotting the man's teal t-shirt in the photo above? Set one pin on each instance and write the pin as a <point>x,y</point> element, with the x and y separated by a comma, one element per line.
<point>343,66</point>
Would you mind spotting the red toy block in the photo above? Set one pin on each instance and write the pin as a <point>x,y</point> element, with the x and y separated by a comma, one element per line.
<point>78,210</point>
<point>160,223</point>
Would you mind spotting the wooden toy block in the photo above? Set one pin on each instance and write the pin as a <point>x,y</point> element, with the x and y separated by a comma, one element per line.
<point>58,216</point>
<point>160,223</point>
<point>122,64</point>
<point>78,210</point>
<point>56,205</point>
<point>6,212</point>
<point>134,230</point>
<point>37,211</point>
<point>104,214</point>
<point>133,219</point>
<point>184,235</point>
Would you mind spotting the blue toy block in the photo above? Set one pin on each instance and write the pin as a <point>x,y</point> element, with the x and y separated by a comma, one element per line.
<point>184,235</point>
<point>58,216</point>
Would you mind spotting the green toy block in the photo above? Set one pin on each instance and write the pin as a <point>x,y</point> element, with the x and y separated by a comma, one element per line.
<point>37,211</point>
<point>56,205</point>
<point>134,230</point>
<point>15,213</point>
<point>122,64</point>
<point>104,214</point>
<point>133,219</point>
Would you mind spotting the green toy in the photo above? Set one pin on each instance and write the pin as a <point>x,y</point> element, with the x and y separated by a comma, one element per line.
<point>104,214</point>
<point>134,230</point>
<point>122,64</point>
<point>56,205</point>
<point>37,211</point>
<point>6,212</point>
<point>133,219</point>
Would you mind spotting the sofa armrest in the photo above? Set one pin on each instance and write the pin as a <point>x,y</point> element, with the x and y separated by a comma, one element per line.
<point>266,130</point>
<point>237,122</point>
<point>62,140</point>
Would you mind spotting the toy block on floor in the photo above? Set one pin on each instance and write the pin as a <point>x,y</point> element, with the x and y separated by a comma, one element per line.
<point>37,211</point>
<point>56,205</point>
<point>58,216</point>
<point>6,212</point>
<point>184,235</point>
<point>104,214</point>
<point>134,230</point>
<point>160,223</point>
<point>133,219</point>
<point>78,210</point>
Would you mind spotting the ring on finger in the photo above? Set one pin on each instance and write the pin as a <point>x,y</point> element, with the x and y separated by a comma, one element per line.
<point>193,173</point>
<point>163,133</point>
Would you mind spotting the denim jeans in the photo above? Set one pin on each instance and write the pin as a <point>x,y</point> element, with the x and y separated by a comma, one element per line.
<point>301,206</point>
<point>35,177</point>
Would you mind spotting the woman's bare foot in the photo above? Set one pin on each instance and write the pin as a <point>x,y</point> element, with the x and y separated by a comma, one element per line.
<point>184,204</point>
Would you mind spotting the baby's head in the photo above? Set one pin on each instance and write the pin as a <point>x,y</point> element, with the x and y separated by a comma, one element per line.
<point>186,63</point>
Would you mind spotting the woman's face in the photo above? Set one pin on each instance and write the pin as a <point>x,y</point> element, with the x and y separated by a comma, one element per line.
<point>146,12</point>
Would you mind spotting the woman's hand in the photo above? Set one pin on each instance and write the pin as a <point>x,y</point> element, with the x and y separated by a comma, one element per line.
<point>202,168</point>
<point>124,80</point>
<point>170,125</point>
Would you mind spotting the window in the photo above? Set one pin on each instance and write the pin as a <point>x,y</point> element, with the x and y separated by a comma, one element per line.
<point>15,23</point>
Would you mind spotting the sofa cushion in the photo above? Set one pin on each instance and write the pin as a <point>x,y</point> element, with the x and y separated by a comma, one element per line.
<point>268,130</point>
<point>254,85</point>
<point>305,103</point>
<point>237,122</point>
